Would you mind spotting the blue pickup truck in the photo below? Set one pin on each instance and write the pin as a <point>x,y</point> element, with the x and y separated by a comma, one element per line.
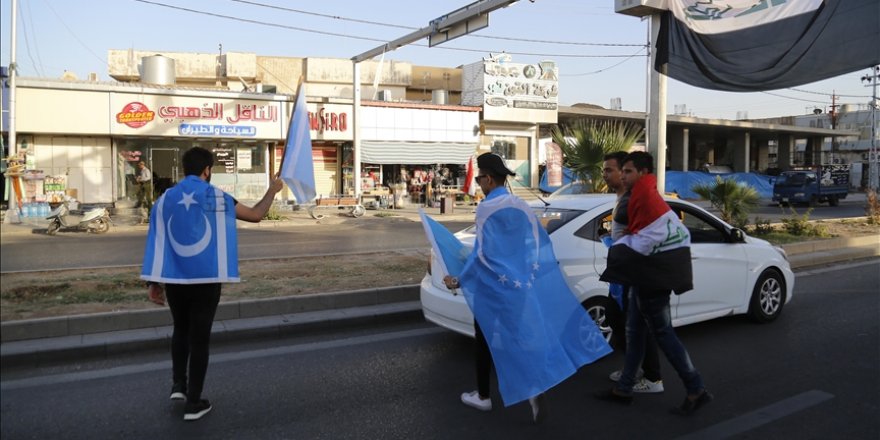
<point>824,183</point>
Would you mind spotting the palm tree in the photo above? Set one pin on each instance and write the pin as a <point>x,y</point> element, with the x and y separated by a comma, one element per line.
<point>732,200</point>
<point>584,143</point>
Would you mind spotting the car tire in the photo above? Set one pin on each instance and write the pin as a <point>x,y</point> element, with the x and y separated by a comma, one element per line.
<point>833,201</point>
<point>604,312</point>
<point>768,297</point>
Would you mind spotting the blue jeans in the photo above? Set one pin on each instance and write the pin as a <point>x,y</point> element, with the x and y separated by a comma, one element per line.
<point>648,311</point>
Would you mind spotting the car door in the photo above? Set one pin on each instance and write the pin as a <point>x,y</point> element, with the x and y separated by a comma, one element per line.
<point>719,266</point>
<point>579,252</point>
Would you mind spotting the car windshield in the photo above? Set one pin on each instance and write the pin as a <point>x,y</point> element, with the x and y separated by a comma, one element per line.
<point>578,187</point>
<point>791,179</point>
<point>550,218</point>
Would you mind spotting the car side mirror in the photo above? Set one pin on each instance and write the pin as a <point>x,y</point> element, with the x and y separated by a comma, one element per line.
<point>737,235</point>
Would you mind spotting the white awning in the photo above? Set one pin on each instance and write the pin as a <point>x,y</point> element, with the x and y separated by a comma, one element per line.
<point>416,153</point>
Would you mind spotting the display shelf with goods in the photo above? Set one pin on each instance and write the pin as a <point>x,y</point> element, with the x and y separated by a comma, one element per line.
<point>55,188</point>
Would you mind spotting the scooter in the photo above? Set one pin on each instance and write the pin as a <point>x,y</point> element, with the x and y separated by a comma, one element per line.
<point>95,220</point>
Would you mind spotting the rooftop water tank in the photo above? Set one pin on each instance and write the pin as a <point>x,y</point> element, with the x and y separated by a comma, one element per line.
<point>158,69</point>
<point>440,97</point>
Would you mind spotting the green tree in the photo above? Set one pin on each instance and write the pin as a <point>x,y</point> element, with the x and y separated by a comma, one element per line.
<point>732,200</point>
<point>584,144</point>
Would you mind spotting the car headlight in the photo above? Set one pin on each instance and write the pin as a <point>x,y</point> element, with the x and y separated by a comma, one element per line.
<point>781,252</point>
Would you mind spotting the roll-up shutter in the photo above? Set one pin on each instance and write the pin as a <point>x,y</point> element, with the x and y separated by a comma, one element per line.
<point>326,169</point>
<point>415,153</point>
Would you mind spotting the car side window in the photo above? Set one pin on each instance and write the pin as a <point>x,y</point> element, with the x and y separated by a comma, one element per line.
<point>596,227</point>
<point>702,230</point>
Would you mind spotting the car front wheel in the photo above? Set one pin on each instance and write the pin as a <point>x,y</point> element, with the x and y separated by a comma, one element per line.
<point>603,310</point>
<point>768,297</point>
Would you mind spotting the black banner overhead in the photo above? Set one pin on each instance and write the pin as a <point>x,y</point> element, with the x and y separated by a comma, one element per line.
<point>761,48</point>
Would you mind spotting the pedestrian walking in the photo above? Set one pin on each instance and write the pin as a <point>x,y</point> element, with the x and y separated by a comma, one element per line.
<point>648,377</point>
<point>527,321</point>
<point>144,179</point>
<point>653,258</point>
<point>192,248</point>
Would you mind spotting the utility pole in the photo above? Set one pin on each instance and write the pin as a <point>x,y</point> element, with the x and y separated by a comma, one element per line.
<point>13,67</point>
<point>832,115</point>
<point>873,159</point>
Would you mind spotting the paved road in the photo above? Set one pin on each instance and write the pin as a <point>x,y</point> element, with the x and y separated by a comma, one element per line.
<point>123,248</point>
<point>811,374</point>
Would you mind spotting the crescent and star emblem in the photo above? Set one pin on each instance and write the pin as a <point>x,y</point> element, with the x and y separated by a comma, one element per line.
<point>198,247</point>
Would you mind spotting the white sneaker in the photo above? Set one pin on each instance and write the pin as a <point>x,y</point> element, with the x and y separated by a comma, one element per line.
<point>473,399</point>
<point>615,376</point>
<point>539,408</point>
<point>646,386</point>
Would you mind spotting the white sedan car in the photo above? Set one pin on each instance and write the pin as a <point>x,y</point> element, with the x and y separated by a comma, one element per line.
<point>733,273</point>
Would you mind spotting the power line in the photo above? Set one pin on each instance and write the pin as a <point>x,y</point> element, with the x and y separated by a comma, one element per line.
<point>397,26</point>
<point>609,67</point>
<point>73,34</point>
<point>336,34</point>
<point>27,43</point>
<point>796,99</point>
<point>828,94</point>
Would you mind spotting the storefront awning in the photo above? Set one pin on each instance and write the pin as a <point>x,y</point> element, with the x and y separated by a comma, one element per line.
<point>416,153</point>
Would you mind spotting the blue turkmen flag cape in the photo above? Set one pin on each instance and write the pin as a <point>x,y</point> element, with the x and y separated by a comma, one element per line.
<point>192,237</point>
<point>537,331</point>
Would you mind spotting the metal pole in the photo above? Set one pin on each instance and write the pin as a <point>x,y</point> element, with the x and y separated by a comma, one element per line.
<point>872,156</point>
<point>873,159</point>
<point>356,128</point>
<point>657,110</point>
<point>13,145</point>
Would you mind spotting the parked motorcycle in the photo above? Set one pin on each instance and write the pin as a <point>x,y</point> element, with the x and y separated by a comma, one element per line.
<point>95,220</point>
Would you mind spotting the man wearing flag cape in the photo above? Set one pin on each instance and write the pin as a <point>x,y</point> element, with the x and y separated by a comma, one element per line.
<point>191,248</point>
<point>525,314</point>
<point>654,259</point>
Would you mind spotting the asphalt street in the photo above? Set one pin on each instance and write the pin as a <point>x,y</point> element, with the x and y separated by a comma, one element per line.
<point>126,247</point>
<point>29,248</point>
<point>810,374</point>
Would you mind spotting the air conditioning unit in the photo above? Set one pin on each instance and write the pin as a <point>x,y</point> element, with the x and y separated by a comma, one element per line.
<point>384,95</point>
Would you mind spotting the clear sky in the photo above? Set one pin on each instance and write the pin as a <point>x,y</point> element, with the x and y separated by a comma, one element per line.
<point>600,54</point>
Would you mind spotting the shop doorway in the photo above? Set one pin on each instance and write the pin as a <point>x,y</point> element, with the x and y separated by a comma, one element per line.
<point>164,165</point>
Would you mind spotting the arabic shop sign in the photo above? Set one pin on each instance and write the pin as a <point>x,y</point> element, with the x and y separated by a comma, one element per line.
<point>512,91</point>
<point>197,117</point>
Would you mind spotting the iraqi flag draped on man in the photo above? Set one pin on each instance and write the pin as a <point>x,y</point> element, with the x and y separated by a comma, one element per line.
<point>537,331</point>
<point>656,253</point>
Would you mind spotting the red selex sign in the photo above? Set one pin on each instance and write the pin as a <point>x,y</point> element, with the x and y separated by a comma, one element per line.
<point>327,121</point>
<point>135,115</point>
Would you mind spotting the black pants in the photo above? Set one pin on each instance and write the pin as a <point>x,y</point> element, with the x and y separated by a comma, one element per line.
<point>192,308</point>
<point>651,361</point>
<point>483,360</point>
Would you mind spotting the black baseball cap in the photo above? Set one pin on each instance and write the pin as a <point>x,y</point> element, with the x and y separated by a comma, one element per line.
<point>494,164</point>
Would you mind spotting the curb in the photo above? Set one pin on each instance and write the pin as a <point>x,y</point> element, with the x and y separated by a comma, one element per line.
<point>100,338</point>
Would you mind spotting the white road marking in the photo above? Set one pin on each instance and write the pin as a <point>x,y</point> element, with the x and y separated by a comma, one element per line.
<point>761,416</point>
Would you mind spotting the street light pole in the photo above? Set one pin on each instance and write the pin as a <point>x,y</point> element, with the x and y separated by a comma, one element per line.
<point>873,158</point>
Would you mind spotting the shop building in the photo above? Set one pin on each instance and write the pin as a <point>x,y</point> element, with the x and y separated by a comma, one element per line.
<point>92,135</point>
<point>515,99</point>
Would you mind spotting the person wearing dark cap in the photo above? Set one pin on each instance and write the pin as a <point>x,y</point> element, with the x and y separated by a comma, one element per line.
<point>527,323</point>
